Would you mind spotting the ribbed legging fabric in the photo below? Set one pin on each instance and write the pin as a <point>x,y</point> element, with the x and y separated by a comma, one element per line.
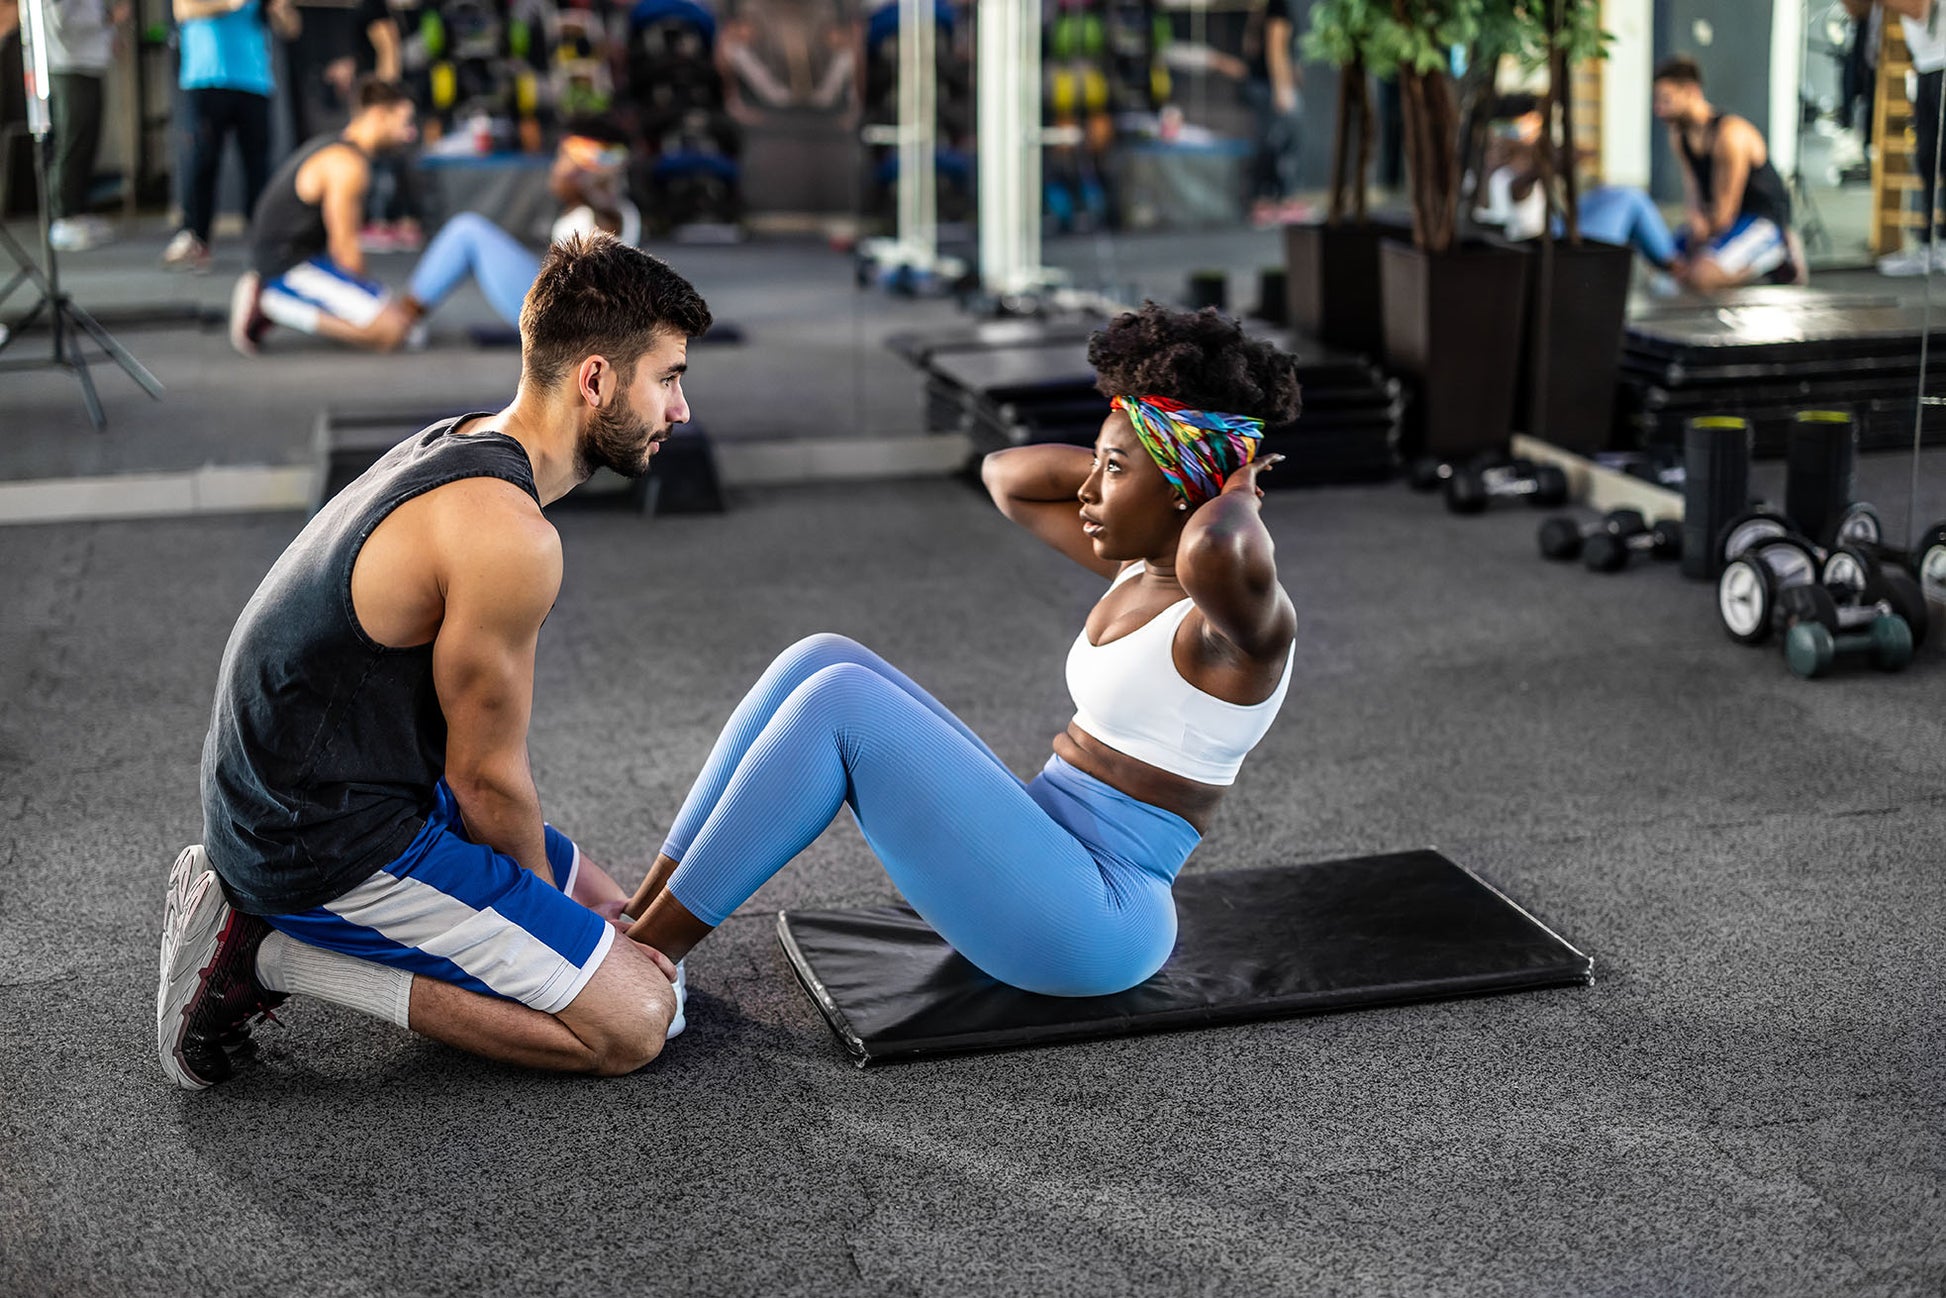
<point>992,863</point>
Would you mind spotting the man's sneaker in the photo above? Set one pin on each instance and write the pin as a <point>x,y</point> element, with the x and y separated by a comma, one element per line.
<point>208,988</point>
<point>187,252</point>
<point>71,235</point>
<point>678,1023</point>
<point>247,320</point>
<point>1916,260</point>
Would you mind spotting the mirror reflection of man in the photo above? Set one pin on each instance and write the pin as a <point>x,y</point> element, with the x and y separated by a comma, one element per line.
<point>1736,209</point>
<point>1924,29</point>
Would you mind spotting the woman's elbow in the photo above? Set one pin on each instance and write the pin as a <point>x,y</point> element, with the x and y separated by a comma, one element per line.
<point>994,475</point>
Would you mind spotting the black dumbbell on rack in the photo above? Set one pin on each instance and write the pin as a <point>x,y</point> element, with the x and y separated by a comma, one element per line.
<point>1471,490</point>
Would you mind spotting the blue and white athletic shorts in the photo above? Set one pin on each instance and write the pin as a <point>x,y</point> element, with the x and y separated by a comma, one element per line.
<point>1752,246</point>
<point>467,915</point>
<point>320,287</point>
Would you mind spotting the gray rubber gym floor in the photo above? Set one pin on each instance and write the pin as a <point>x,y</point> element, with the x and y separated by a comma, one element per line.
<point>1748,1100</point>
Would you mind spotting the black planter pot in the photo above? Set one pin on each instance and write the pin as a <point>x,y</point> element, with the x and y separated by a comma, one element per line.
<point>1575,318</point>
<point>1331,282</point>
<point>1453,330</point>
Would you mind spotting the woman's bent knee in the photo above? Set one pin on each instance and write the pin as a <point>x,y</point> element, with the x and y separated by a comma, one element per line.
<point>824,649</point>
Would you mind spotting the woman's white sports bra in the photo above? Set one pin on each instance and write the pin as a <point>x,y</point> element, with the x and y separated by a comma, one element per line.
<point>1128,694</point>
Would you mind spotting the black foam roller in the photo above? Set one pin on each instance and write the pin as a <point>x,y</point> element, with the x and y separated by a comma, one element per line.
<point>1716,488</point>
<point>1818,466</point>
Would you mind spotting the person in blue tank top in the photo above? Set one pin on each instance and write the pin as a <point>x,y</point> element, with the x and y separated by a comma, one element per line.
<point>373,835</point>
<point>226,88</point>
<point>1060,884</point>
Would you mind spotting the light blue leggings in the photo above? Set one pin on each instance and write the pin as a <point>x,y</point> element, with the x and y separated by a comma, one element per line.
<point>469,244</point>
<point>1619,215</point>
<point>1059,886</point>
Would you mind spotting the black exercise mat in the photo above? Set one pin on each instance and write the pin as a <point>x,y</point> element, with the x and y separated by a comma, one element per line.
<point>1252,944</point>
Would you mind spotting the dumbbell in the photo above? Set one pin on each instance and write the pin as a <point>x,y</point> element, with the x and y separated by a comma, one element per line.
<point>1870,575</point>
<point>1429,472</point>
<point>1610,552</point>
<point>1748,591</point>
<point>1563,538</point>
<point>1866,631</point>
<point>1929,563</point>
<point>1471,490</point>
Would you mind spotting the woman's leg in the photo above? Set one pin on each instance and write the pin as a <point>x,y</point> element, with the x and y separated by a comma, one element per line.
<point>207,132</point>
<point>780,680</point>
<point>1628,217</point>
<point>469,244</point>
<point>975,855</point>
<point>252,125</point>
<point>786,672</point>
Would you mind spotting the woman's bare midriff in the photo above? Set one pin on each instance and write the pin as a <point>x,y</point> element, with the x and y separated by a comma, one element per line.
<point>1190,799</point>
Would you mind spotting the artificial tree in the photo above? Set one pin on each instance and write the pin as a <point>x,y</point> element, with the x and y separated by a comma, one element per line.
<point>1414,40</point>
<point>1339,29</point>
<point>1557,34</point>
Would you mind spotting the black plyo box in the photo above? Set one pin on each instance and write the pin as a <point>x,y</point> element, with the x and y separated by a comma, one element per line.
<point>1251,944</point>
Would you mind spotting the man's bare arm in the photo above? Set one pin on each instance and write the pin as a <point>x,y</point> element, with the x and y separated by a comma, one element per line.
<point>1692,203</point>
<point>384,36</point>
<point>1908,8</point>
<point>501,570</point>
<point>345,181</point>
<point>1736,149</point>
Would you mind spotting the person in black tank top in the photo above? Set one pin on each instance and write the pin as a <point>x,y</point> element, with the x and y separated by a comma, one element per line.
<point>1738,209</point>
<point>372,832</point>
<point>307,271</point>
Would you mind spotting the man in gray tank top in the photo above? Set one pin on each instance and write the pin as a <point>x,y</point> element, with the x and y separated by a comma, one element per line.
<point>373,833</point>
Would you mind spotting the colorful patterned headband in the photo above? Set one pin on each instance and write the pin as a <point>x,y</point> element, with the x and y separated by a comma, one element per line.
<point>1195,449</point>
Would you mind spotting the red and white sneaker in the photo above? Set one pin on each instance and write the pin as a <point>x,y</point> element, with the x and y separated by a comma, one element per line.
<point>208,989</point>
<point>247,320</point>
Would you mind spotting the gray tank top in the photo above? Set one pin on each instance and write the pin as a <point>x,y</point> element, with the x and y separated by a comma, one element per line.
<point>324,746</point>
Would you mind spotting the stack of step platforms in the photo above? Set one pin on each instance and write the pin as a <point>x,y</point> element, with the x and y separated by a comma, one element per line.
<point>1024,387</point>
<point>1768,353</point>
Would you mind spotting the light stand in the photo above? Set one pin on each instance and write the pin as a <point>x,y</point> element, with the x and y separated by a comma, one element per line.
<point>1811,223</point>
<point>67,321</point>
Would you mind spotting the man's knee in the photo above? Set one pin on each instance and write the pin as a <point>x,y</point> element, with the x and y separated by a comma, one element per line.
<point>623,1048</point>
<point>623,1015</point>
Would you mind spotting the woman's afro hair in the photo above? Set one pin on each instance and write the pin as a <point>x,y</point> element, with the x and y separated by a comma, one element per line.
<point>1199,358</point>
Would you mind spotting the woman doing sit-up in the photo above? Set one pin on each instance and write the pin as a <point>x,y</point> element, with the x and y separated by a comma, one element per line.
<point>1060,884</point>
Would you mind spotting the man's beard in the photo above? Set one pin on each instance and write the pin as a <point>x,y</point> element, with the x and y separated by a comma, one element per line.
<point>615,439</point>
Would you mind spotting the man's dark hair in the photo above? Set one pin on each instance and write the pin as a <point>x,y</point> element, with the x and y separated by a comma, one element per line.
<point>1681,69</point>
<point>595,295</point>
<point>373,92</point>
<point>1199,358</point>
<point>1508,107</point>
<point>600,127</point>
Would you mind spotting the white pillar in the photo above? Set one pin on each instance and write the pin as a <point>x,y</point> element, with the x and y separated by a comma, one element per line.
<point>1008,103</point>
<point>1627,125</point>
<point>918,198</point>
<point>1786,81</point>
